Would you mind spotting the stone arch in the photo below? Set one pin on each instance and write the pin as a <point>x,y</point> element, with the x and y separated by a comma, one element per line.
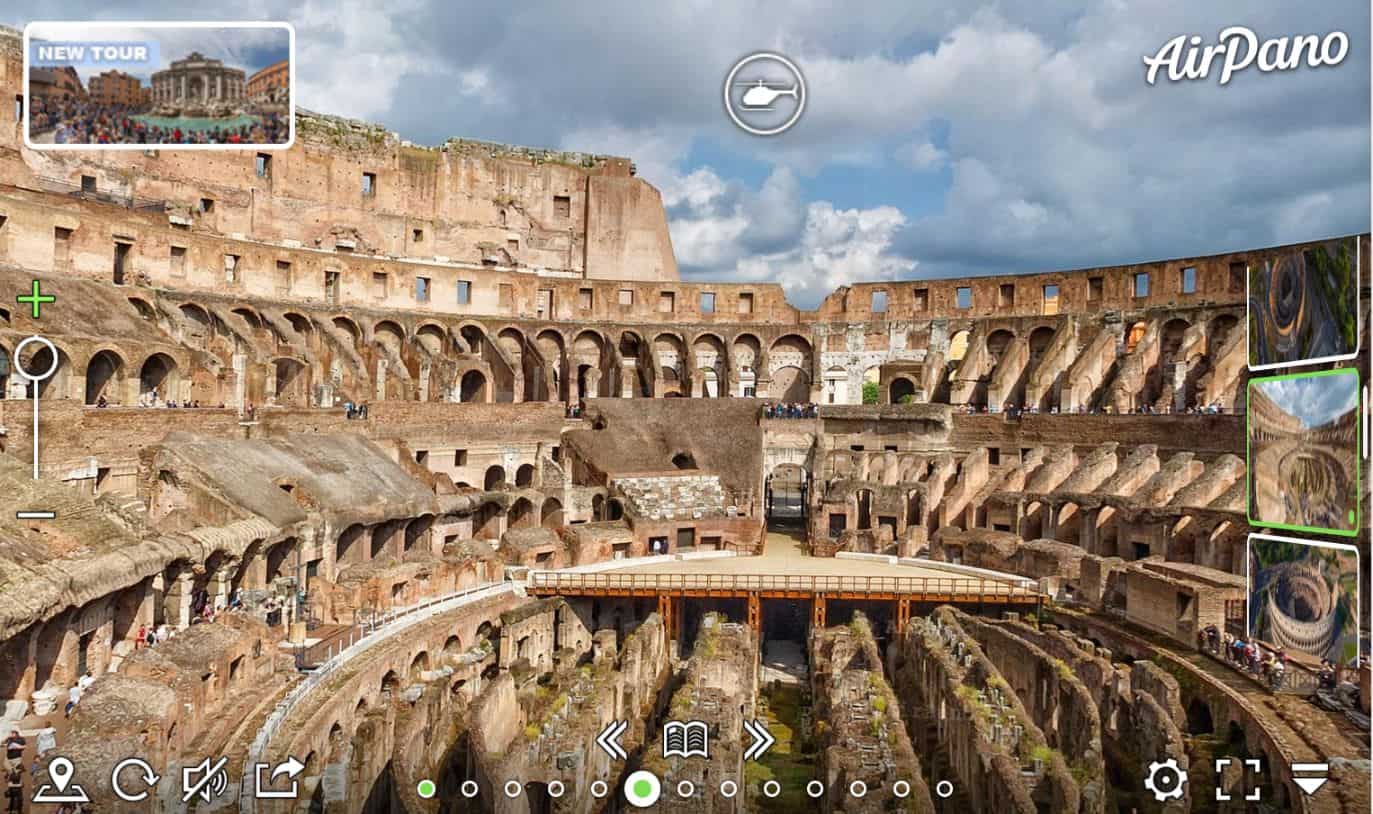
<point>452,647</point>
<point>1171,337</point>
<point>418,531</point>
<point>1039,341</point>
<point>633,349</point>
<point>348,326</point>
<point>276,558</point>
<point>521,515</point>
<point>747,350</point>
<point>1218,330</point>
<point>511,340</point>
<point>37,358</point>
<point>143,307</point>
<point>292,382</point>
<point>524,476</point>
<point>105,377</point>
<point>494,477</point>
<point>300,323</point>
<point>901,390</point>
<point>419,665</point>
<point>251,317</point>
<point>958,345</point>
<point>997,343</point>
<point>389,334</point>
<point>472,387</point>
<point>551,513</point>
<point>597,508</point>
<point>589,353</point>
<point>473,336</point>
<point>670,352</point>
<point>551,347</point>
<point>348,549</point>
<point>1199,719</point>
<point>159,373</point>
<point>431,338</point>
<point>1134,335</point>
<point>390,684</point>
<point>792,350</point>
<point>708,354</point>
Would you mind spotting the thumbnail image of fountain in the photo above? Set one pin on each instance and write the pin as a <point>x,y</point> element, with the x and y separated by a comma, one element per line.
<point>1303,448</point>
<point>178,86</point>
<point>1304,305</point>
<point>1304,598</point>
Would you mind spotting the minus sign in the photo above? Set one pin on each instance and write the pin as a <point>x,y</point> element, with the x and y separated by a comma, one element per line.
<point>35,515</point>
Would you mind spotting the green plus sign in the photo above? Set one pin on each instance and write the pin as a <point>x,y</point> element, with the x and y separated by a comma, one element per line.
<point>36,300</point>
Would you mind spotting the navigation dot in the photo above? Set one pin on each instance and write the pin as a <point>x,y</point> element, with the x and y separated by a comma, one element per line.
<point>642,789</point>
<point>426,789</point>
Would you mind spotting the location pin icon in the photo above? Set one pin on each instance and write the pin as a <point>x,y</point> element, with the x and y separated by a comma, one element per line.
<point>61,771</point>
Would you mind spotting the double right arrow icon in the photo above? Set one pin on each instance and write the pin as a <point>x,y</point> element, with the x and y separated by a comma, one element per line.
<point>762,740</point>
<point>609,740</point>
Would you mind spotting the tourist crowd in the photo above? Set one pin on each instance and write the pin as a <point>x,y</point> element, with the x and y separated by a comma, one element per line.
<point>153,400</point>
<point>791,410</point>
<point>1024,409</point>
<point>1260,661</point>
<point>79,121</point>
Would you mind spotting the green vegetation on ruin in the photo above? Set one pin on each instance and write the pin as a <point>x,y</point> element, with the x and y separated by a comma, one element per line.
<point>791,762</point>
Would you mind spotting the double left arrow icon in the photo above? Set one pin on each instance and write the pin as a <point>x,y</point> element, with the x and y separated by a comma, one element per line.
<point>762,740</point>
<point>609,739</point>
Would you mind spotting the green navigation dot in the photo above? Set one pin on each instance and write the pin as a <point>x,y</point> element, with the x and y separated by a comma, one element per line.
<point>642,789</point>
<point>427,789</point>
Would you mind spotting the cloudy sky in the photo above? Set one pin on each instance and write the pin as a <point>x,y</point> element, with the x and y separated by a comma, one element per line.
<point>939,139</point>
<point>1315,400</point>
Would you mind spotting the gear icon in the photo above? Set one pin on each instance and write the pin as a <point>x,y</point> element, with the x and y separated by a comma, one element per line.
<point>1165,780</point>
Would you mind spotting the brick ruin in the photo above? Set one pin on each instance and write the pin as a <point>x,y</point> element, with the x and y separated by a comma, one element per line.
<point>326,441</point>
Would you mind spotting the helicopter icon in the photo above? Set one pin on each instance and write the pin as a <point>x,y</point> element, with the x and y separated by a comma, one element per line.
<point>748,99</point>
<point>761,93</point>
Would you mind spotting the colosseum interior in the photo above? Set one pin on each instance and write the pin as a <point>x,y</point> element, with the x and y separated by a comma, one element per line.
<point>432,487</point>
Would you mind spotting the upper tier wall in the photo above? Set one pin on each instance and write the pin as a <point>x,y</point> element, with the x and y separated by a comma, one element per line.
<point>471,201</point>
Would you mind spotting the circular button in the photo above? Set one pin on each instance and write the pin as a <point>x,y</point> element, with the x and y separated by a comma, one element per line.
<point>426,789</point>
<point>858,788</point>
<point>642,789</point>
<point>815,789</point>
<point>943,789</point>
<point>729,788</point>
<point>901,789</point>
<point>513,789</point>
<point>599,789</point>
<point>772,788</point>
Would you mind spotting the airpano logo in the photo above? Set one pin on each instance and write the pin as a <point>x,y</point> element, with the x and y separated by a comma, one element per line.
<point>1237,48</point>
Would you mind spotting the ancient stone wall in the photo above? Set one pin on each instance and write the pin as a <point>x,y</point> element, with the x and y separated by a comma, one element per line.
<point>864,739</point>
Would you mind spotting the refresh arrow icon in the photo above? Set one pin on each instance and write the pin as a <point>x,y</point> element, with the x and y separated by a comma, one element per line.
<point>147,775</point>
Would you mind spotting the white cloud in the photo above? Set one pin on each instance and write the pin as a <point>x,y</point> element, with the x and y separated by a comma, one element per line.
<point>921,156</point>
<point>838,247</point>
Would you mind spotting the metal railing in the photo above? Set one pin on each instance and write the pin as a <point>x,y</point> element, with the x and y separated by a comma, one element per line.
<point>1296,678</point>
<point>127,201</point>
<point>779,583</point>
<point>388,625</point>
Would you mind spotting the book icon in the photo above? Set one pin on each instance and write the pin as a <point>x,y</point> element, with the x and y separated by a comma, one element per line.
<point>690,739</point>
